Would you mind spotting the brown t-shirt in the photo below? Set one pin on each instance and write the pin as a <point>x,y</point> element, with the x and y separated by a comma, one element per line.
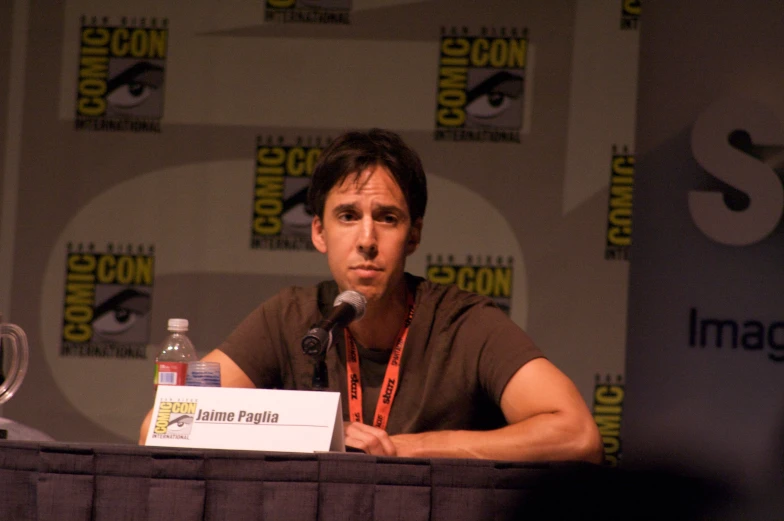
<point>460,353</point>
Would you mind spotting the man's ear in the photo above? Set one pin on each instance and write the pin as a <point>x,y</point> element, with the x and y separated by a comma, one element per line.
<point>317,234</point>
<point>414,237</point>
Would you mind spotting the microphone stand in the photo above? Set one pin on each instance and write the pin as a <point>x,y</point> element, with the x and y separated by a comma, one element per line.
<point>320,377</point>
<point>349,305</point>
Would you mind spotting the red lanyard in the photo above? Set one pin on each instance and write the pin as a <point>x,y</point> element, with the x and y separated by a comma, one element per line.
<point>388,389</point>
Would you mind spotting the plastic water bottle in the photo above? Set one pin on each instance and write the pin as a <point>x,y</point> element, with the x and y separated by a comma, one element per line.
<point>171,364</point>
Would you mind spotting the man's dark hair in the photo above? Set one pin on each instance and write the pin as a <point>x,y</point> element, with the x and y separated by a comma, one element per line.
<point>354,152</point>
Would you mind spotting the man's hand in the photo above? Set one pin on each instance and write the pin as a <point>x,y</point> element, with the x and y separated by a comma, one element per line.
<point>369,439</point>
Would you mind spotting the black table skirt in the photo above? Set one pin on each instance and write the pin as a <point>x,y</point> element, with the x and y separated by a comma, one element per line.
<point>79,482</point>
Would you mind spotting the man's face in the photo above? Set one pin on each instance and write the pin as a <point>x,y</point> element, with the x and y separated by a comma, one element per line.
<point>367,233</point>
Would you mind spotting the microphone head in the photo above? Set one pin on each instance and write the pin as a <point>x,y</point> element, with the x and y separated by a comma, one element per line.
<point>355,299</point>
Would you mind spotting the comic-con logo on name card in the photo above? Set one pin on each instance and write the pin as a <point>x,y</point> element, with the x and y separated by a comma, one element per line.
<point>308,11</point>
<point>174,419</point>
<point>481,82</point>
<point>280,220</point>
<point>630,14</point>
<point>608,396</point>
<point>619,206</point>
<point>121,74</point>
<point>485,275</point>
<point>107,303</point>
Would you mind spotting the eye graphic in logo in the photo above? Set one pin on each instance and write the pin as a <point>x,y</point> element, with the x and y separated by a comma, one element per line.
<point>494,99</point>
<point>296,219</point>
<point>181,424</point>
<point>135,89</point>
<point>121,315</point>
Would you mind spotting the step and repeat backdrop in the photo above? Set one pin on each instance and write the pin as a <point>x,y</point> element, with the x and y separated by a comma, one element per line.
<point>157,155</point>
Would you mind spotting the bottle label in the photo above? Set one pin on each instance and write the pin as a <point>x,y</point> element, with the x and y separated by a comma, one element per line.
<point>170,373</point>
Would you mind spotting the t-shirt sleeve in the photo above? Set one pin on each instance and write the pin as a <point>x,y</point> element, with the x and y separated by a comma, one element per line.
<point>504,348</point>
<point>254,345</point>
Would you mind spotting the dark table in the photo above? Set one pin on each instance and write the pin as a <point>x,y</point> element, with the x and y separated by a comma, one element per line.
<point>71,481</point>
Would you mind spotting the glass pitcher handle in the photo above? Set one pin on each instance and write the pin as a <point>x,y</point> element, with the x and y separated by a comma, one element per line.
<point>15,338</point>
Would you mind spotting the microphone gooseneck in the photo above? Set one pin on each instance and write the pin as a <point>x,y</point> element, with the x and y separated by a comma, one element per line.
<point>348,307</point>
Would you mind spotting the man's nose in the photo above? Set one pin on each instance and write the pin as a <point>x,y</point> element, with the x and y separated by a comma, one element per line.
<point>367,242</point>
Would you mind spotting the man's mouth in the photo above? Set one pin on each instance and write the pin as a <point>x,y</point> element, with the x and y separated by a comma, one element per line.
<point>369,267</point>
<point>367,270</point>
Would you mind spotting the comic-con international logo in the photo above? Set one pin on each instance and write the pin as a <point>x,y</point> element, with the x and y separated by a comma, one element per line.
<point>108,295</point>
<point>280,220</point>
<point>619,207</point>
<point>484,275</point>
<point>481,80</point>
<point>308,11</point>
<point>630,14</point>
<point>608,399</point>
<point>174,419</point>
<point>121,74</point>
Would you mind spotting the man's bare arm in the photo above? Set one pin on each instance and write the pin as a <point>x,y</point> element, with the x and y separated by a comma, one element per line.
<point>231,376</point>
<point>548,421</point>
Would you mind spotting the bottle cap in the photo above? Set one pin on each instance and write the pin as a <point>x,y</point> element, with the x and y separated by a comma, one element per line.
<point>178,324</point>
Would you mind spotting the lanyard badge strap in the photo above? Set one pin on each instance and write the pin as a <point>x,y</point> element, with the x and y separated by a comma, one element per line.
<point>391,377</point>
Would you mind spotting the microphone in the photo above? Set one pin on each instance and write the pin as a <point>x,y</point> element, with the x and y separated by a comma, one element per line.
<point>348,307</point>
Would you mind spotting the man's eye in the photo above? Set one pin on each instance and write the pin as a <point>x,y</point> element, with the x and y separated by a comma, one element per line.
<point>390,219</point>
<point>346,217</point>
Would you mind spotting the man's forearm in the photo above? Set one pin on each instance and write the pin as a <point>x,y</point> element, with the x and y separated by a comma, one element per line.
<point>144,428</point>
<point>545,437</point>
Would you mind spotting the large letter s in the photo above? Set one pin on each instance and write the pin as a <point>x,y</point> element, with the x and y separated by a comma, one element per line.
<point>712,150</point>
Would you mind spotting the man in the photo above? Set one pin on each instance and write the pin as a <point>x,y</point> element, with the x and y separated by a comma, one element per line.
<point>430,370</point>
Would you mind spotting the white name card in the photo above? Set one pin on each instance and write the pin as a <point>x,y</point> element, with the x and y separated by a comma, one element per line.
<point>246,419</point>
